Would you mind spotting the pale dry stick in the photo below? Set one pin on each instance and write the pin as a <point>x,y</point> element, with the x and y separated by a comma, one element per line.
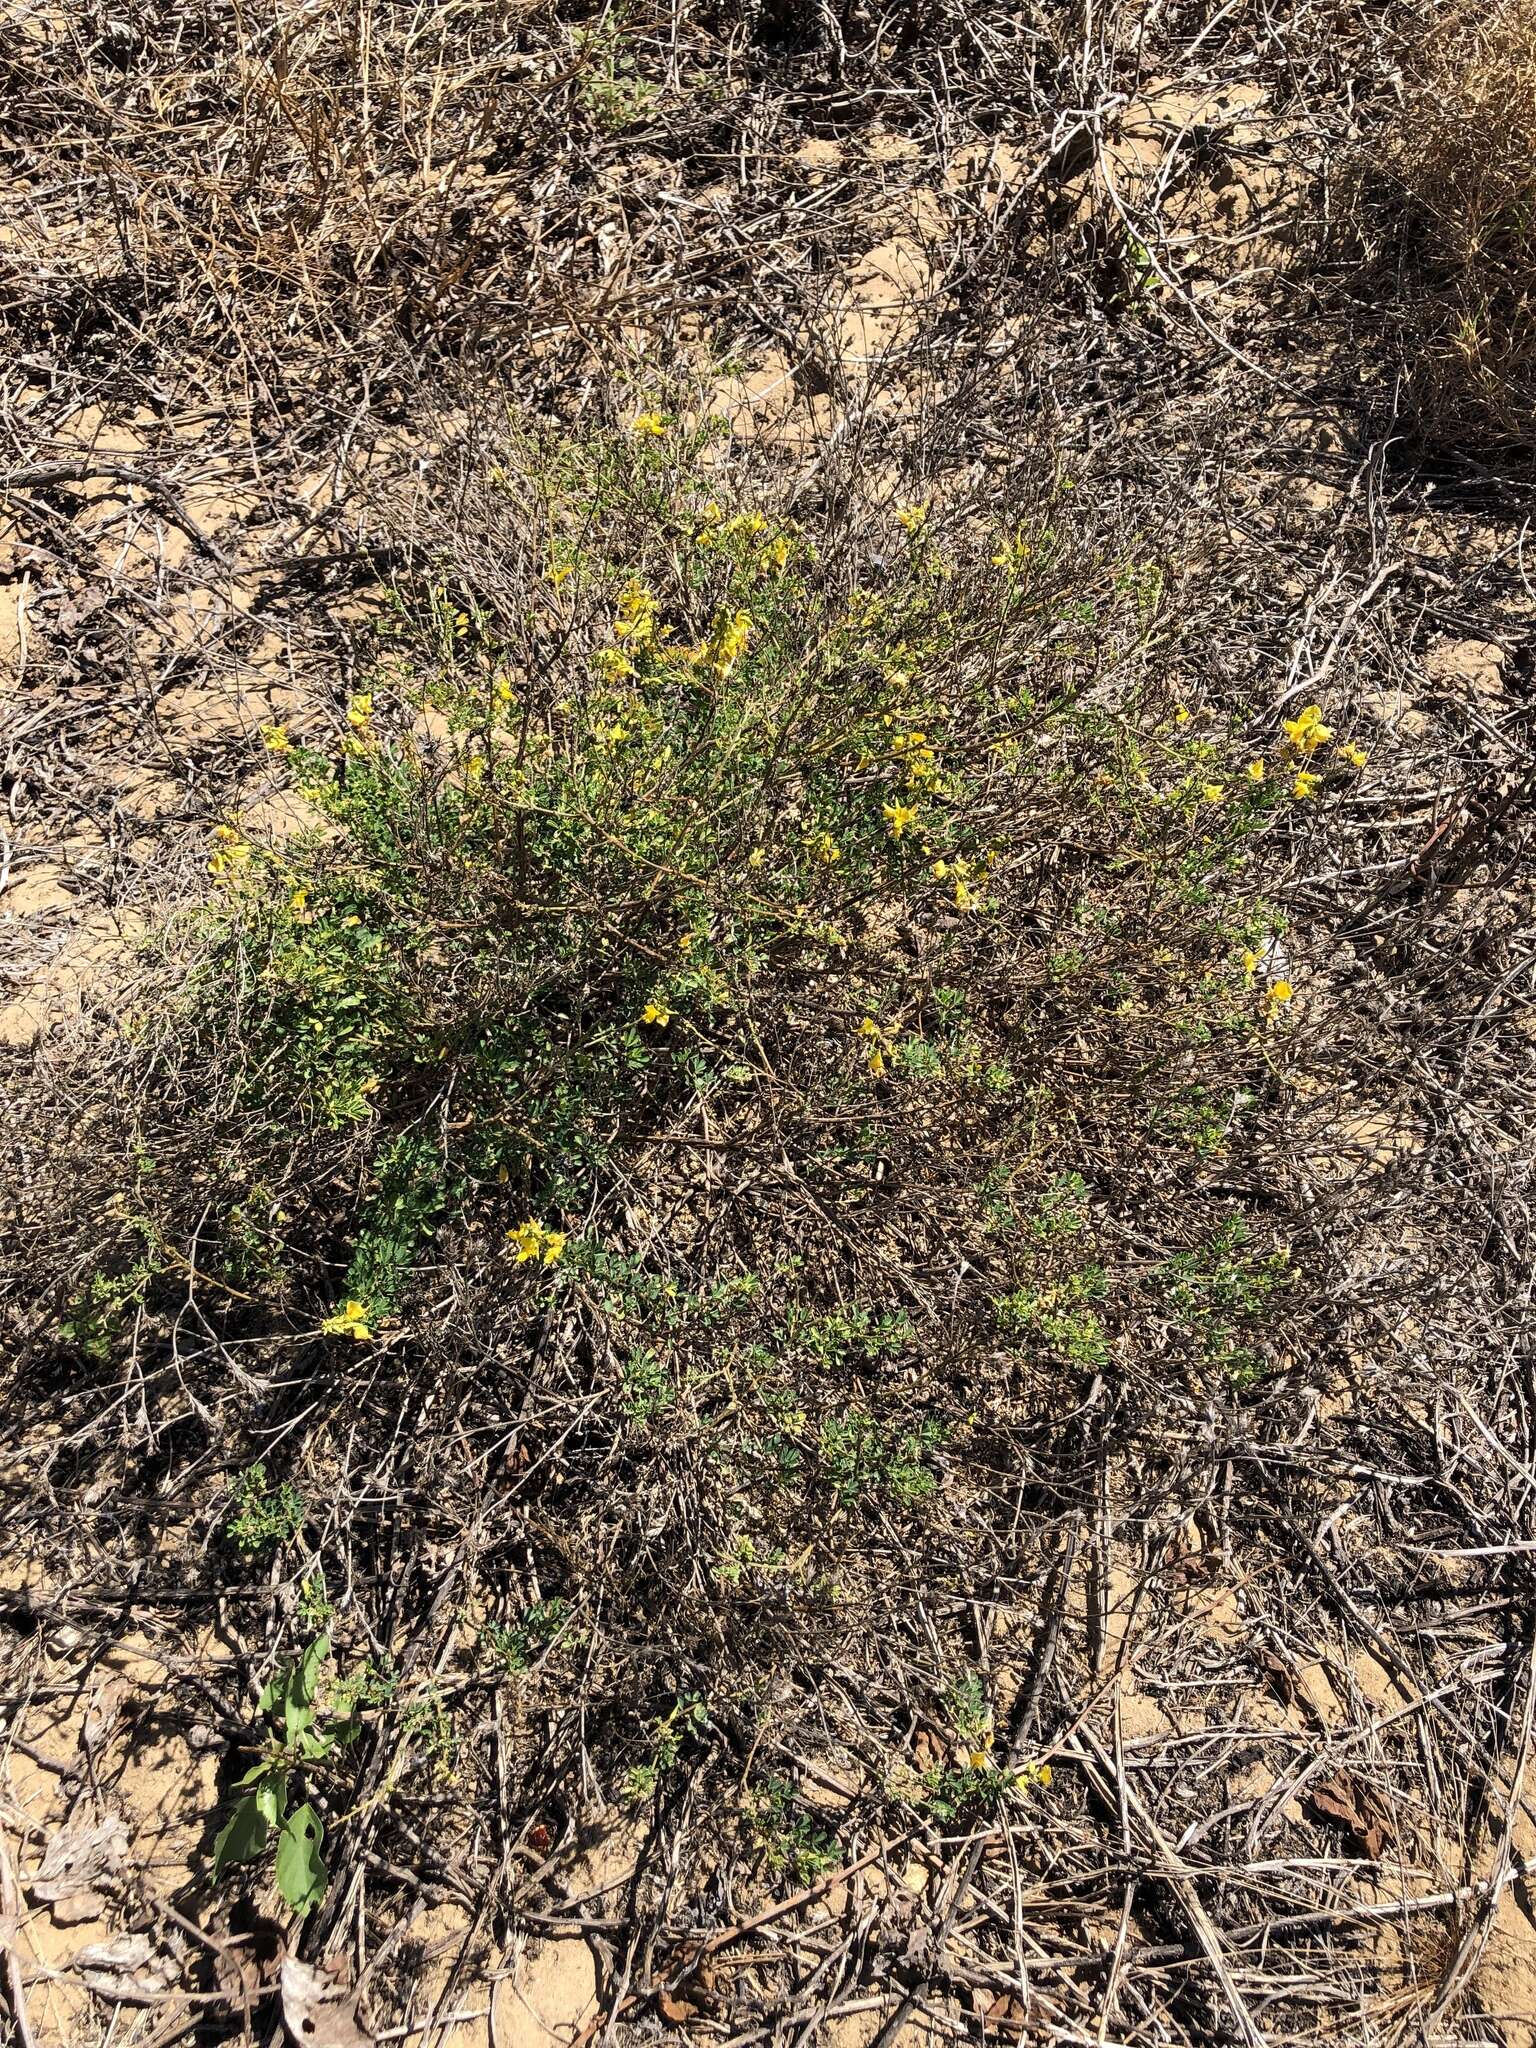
<point>1469,1953</point>
<point>1100,1771</point>
<point>10,1929</point>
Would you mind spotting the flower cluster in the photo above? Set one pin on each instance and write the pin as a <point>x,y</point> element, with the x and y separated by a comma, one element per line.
<point>350,1320</point>
<point>960,871</point>
<point>532,1240</point>
<point>232,854</point>
<point>728,642</point>
<point>878,1042</point>
<point>636,620</point>
<point>913,751</point>
<point>1305,735</point>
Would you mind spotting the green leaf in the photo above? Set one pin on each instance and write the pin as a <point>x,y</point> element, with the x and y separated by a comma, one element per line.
<point>299,1691</point>
<point>271,1796</point>
<point>243,1835</point>
<point>300,1869</point>
<point>309,1667</point>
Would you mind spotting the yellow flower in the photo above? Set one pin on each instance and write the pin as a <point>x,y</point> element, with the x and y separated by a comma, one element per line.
<point>912,518</point>
<point>1213,792</point>
<point>1279,994</point>
<point>1181,714</point>
<point>878,1040</point>
<point>757,856</point>
<point>557,572</point>
<point>1306,783</point>
<point>1355,756</point>
<point>1255,771</point>
<point>651,423</point>
<point>527,1239</point>
<point>656,1013</point>
<point>360,711</point>
<point>775,557</point>
<point>965,896</point>
<point>1306,732</point>
<point>232,855</point>
<point>728,642</point>
<point>823,847</point>
<point>533,1241</point>
<point>636,618</point>
<point>275,739</point>
<point>898,817</point>
<point>1250,962</point>
<point>351,1320</point>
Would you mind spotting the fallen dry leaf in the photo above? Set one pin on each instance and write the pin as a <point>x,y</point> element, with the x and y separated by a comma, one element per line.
<point>320,2006</point>
<point>76,1859</point>
<point>129,1969</point>
<point>1339,1799</point>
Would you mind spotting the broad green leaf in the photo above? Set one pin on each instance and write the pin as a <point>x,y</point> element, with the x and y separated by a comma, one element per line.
<point>242,1836</point>
<point>300,1870</point>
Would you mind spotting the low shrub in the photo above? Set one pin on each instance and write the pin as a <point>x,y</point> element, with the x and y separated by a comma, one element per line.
<point>749,1040</point>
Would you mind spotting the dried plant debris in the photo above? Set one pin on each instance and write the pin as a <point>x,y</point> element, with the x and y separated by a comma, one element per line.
<point>767,1024</point>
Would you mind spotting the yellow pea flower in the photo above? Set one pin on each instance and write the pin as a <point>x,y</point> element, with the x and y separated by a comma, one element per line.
<point>350,1320</point>
<point>526,1240</point>
<point>1306,732</point>
<point>898,816</point>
